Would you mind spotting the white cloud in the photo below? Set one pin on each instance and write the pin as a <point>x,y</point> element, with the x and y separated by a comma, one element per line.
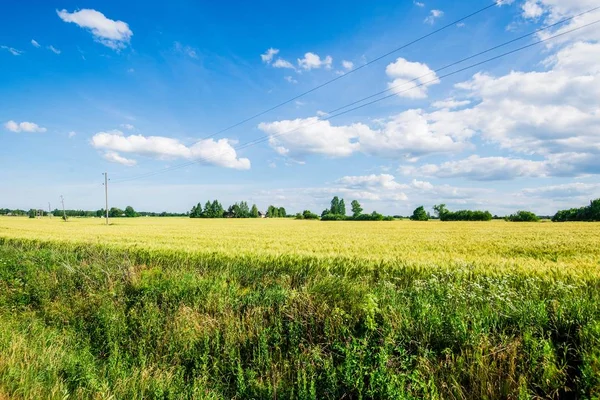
<point>551,11</point>
<point>269,54</point>
<point>53,49</point>
<point>433,15</point>
<point>383,181</point>
<point>406,75</point>
<point>12,50</point>
<point>347,64</point>
<point>34,43</point>
<point>414,133</point>
<point>290,79</point>
<point>460,25</point>
<point>113,34</point>
<point>186,50</point>
<point>314,61</point>
<point>411,133</point>
<point>281,63</point>
<point>450,103</point>
<point>481,169</point>
<point>220,153</point>
<point>531,9</point>
<point>569,190</point>
<point>24,127</point>
<point>299,137</point>
<point>116,158</point>
<point>548,112</point>
<point>72,134</point>
<point>418,4</point>
<point>128,126</point>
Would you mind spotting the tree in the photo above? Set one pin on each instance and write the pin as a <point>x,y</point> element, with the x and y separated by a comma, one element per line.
<point>356,208</point>
<point>342,207</point>
<point>115,212</point>
<point>130,212</point>
<point>31,213</point>
<point>282,213</point>
<point>419,214</point>
<point>440,210</point>
<point>335,205</point>
<point>254,211</point>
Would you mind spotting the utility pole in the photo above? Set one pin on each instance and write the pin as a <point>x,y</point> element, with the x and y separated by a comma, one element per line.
<point>49,211</point>
<point>106,194</point>
<point>62,200</point>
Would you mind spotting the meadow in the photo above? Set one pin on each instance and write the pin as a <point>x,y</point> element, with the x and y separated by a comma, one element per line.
<point>192,308</point>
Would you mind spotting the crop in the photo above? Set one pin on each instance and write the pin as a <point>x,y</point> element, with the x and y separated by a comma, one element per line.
<point>184,308</point>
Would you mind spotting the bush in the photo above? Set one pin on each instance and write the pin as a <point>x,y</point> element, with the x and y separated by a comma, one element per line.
<point>523,216</point>
<point>306,214</point>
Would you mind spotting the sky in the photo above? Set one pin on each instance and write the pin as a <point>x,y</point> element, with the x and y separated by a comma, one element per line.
<point>160,96</point>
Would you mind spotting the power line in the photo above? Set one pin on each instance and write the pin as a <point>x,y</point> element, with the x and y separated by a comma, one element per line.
<point>495,3</point>
<point>267,137</point>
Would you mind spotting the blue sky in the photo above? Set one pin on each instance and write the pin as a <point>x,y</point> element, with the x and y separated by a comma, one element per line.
<point>136,87</point>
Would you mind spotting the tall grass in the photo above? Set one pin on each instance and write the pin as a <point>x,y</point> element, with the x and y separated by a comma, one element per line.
<point>104,321</point>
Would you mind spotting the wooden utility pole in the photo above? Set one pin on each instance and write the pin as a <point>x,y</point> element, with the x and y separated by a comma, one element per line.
<point>49,211</point>
<point>106,194</point>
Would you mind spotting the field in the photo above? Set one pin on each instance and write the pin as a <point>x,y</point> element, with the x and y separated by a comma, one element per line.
<point>192,308</point>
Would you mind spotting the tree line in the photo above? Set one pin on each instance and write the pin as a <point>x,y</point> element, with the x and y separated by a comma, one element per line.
<point>587,213</point>
<point>336,212</point>
<point>214,209</point>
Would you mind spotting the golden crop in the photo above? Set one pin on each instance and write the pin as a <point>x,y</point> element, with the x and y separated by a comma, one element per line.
<point>572,248</point>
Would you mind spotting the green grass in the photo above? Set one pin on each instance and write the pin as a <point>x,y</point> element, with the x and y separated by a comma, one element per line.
<point>90,321</point>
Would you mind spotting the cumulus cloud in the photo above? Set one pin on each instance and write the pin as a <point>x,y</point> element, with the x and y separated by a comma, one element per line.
<point>414,133</point>
<point>269,54</point>
<point>110,33</point>
<point>24,127</point>
<point>116,158</point>
<point>433,16</point>
<point>406,75</point>
<point>410,133</point>
<point>290,79</point>
<point>72,134</point>
<point>539,112</point>
<point>347,64</point>
<point>34,43</point>
<point>314,61</point>
<point>418,4</point>
<point>209,151</point>
<point>551,11</point>
<point>281,63</point>
<point>299,137</point>
<point>12,50</point>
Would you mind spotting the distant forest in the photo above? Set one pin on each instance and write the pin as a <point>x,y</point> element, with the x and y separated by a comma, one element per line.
<point>336,212</point>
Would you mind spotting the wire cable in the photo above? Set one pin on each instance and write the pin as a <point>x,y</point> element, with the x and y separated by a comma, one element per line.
<point>495,3</point>
<point>332,115</point>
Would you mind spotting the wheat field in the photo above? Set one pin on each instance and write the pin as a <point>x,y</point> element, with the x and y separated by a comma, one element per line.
<point>178,308</point>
